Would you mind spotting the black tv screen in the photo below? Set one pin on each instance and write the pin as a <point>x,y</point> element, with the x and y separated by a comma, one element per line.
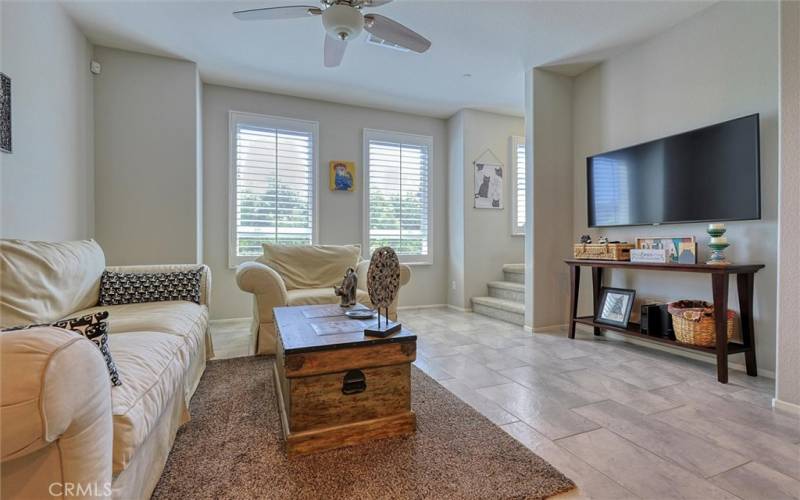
<point>708,174</point>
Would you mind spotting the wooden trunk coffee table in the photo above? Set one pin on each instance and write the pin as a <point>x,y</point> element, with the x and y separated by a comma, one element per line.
<point>337,387</point>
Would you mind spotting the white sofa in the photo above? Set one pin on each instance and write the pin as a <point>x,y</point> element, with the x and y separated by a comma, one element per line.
<point>64,430</point>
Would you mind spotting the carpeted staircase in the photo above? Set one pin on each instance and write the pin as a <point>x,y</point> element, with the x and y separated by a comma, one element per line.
<point>506,300</point>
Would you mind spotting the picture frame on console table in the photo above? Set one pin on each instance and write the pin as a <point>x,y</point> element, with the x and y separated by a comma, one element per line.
<point>615,306</point>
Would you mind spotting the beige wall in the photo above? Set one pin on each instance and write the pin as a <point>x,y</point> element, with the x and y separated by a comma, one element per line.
<point>340,214</point>
<point>147,165</point>
<point>551,203</point>
<point>488,243</point>
<point>46,184</point>
<point>719,65</point>
<point>788,359</point>
<point>480,239</point>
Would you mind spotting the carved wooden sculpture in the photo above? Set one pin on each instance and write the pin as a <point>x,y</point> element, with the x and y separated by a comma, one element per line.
<point>347,291</point>
<point>383,282</point>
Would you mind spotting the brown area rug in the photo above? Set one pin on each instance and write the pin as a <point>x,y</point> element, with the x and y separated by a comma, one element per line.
<point>232,449</point>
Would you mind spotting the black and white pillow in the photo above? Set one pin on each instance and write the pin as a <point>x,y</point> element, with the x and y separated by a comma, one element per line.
<point>134,288</point>
<point>92,326</point>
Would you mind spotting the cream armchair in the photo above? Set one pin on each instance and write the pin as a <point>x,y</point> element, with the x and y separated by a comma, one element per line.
<point>301,275</point>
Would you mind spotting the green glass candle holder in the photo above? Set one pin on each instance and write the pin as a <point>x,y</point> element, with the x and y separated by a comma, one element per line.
<point>717,247</point>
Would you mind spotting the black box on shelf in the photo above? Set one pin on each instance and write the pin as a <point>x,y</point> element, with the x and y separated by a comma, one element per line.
<point>656,321</point>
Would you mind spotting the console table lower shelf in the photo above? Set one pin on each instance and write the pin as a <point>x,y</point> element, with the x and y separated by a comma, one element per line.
<point>633,330</point>
<point>719,285</point>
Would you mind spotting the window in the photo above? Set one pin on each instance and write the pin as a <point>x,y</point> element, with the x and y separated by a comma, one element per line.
<point>518,185</point>
<point>272,190</point>
<point>397,190</point>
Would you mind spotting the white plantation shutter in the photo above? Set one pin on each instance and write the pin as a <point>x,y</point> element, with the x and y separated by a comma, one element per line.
<point>272,188</point>
<point>398,193</point>
<point>518,196</point>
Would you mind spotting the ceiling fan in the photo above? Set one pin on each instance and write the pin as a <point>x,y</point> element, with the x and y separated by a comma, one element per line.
<point>343,21</point>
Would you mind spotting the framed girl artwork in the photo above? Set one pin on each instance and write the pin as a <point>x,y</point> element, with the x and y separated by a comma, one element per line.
<point>343,176</point>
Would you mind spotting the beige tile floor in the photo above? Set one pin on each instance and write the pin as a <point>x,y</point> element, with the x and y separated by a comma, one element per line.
<point>621,420</point>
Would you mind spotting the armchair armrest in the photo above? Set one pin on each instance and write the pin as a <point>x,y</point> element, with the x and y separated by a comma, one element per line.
<point>269,292</point>
<point>363,269</point>
<point>44,399</point>
<point>260,279</point>
<point>405,274</point>
<point>205,277</point>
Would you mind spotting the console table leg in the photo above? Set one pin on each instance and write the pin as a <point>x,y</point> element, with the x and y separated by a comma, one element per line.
<point>597,283</point>
<point>744,284</point>
<point>719,285</point>
<point>574,290</point>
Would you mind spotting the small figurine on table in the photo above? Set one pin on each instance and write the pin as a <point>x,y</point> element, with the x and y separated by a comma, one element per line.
<point>585,238</point>
<point>347,291</point>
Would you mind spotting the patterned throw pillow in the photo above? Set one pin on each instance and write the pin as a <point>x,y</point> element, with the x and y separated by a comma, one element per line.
<point>92,326</point>
<point>134,288</point>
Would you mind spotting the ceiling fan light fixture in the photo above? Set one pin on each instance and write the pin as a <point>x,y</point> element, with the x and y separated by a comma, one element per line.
<point>342,21</point>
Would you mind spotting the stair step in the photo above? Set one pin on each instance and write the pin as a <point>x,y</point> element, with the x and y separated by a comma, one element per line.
<point>505,310</point>
<point>507,290</point>
<point>514,273</point>
<point>514,268</point>
<point>508,285</point>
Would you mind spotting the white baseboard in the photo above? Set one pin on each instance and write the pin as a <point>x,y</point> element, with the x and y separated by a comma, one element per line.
<point>229,320</point>
<point>785,406</point>
<point>424,306</point>
<point>459,309</point>
<point>547,328</point>
<point>527,328</point>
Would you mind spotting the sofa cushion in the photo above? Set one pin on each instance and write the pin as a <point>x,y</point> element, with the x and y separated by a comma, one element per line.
<point>153,367</point>
<point>44,281</point>
<point>313,296</point>
<point>310,266</point>
<point>182,319</point>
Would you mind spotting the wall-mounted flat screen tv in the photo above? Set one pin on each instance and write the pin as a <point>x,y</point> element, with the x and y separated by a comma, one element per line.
<point>708,174</point>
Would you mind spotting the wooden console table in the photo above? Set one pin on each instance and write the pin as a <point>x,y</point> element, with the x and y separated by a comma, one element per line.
<point>719,285</point>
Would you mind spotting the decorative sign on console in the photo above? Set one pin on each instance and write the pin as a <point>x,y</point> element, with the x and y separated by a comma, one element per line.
<point>655,256</point>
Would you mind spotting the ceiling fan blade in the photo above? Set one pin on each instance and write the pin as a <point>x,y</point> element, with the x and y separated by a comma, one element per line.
<point>375,3</point>
<point>394,32</point>
<point>334,51</point>
<point>287,12</point>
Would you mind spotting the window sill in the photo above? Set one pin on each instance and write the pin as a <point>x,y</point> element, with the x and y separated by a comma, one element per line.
<point>416,264</point>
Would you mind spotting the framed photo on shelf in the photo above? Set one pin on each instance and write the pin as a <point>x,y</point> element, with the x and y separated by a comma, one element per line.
<point>681,250</point>
<point>615,306</point>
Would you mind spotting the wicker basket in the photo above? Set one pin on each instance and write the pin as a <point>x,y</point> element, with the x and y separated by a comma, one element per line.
<point>603,251</point>
<point>693,322</point>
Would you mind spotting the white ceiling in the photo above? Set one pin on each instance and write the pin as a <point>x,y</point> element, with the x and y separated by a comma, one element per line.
<point>494,41</point>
